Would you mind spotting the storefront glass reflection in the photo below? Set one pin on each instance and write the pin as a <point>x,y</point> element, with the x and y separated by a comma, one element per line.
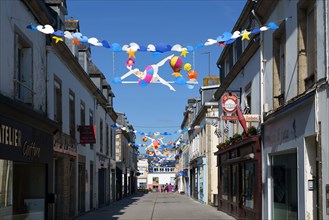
<point>22,190</point>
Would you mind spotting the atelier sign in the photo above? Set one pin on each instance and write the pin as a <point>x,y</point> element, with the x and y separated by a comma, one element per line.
<point>13,137</point>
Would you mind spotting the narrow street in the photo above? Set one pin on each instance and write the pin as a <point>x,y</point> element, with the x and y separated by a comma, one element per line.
<point>156,206</point>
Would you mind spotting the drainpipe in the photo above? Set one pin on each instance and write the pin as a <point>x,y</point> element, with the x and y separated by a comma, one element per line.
<point>261,92</point>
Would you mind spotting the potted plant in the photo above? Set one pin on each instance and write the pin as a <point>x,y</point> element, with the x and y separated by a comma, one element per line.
<point>237,137</point>
<point>252,130</point>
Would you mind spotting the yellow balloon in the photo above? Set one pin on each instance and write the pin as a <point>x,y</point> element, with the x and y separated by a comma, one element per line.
<point>187,67</point>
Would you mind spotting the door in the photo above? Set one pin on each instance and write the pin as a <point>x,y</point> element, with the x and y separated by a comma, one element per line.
<point>284,177</point>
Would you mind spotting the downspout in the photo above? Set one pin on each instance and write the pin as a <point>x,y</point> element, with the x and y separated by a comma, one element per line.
<point>261,92</point>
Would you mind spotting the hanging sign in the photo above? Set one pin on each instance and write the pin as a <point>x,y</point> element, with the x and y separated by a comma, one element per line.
<point>229,102</point>
<point>87,134</point>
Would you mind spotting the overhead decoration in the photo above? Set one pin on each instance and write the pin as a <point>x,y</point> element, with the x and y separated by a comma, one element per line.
<point>225,38</point>
<point>156,134</point>
<point>151,72</point>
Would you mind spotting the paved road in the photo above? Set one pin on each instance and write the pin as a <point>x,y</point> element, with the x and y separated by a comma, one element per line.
<point>156,206</point>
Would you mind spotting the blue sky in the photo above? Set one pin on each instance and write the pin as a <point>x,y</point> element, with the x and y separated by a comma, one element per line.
<point>186,22</point>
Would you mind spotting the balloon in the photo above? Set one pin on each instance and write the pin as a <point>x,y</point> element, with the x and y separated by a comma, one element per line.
<point>176,63</point>
<point>187,67</point>
<point>192,74</point>
<point>144,139</point>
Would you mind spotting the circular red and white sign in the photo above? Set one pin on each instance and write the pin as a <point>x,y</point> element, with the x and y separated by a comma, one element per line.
<point>229,103</point>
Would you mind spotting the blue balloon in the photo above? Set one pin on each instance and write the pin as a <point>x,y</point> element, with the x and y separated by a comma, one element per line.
<point>272,26</point>
<point>168,48</point>
<point>142,48</point>
<point>161,47</point>
<point>190,48</point>
<point>156,54</point>
<point>106,44</point>
<point>224,37</point>
<point>255,31</point>
<point>230,41</point>
<point>32,27</point>
<point>116,47</point>
<point>59,33</point>
<point>189,86</point>
<point>199,45</point>
<point>180,80</point>
<point>117,80</point>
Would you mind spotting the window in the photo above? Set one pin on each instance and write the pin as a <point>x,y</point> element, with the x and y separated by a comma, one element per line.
<point>57,101</point>
<point>101,135</point>
<point>112,146</point>
<point>224,182</point>
<point>23,79</point>
<point>72,113</point>
<point>234,186</point>
<point>91,122</point>
<point>237,49</point>
<point>279,43</point>
<point>249,185</point>
<point>306,45</point>
<point>247,99</point>
<point>82,113</point>
<point>107,140</point>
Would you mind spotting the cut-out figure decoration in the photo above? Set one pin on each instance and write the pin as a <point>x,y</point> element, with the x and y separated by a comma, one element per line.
<point>150,74</point>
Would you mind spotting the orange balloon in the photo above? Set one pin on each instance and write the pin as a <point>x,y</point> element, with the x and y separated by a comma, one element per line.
<point>192,74</point>
<point>144,139</point>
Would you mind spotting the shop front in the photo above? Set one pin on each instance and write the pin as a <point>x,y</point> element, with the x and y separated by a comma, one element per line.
<point>292,170</point>
<point>26,166</point>
<point>198,180</point>
<point>239,179</point>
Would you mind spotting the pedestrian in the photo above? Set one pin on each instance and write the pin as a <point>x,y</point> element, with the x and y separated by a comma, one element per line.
<point>170,188</point>
<point>166,187</point>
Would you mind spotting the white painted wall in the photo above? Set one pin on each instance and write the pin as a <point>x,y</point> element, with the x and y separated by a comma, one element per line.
<point>14,18</point>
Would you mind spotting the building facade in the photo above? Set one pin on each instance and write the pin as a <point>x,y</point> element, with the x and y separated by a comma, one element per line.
<point>287,70</point>
<point>126,158</point>
<point>26,134</point>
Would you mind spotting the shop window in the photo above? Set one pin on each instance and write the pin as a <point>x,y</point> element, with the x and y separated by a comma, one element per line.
<point>285,194</point>
<point>234,186</point>
<point>72,114</point>
<point>224,182</point>
<point>237,50</point>
<point>279,44</point>
<point>58,100</point>
<point>249,179</point>
<point>6,188</point>
<point>306,45</point>
<point>23,78</point>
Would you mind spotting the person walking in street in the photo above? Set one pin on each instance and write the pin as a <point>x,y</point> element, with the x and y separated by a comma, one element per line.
<point>170,188</point>
<point>166,187</point>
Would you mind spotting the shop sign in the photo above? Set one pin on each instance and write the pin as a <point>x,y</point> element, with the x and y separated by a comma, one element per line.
<point>87,134</point>
<point>252,118</point>
<point>230,117</point>
<point>13,137</point>
<point>229,102</point>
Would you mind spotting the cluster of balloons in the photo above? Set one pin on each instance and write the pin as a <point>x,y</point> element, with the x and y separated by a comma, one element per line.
<point>176,63</point>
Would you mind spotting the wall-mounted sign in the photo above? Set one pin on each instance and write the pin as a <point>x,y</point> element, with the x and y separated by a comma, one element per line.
<point>252,118</point>
<point>87,134</point>
<point>230,117</point>
<point>229,102</point>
